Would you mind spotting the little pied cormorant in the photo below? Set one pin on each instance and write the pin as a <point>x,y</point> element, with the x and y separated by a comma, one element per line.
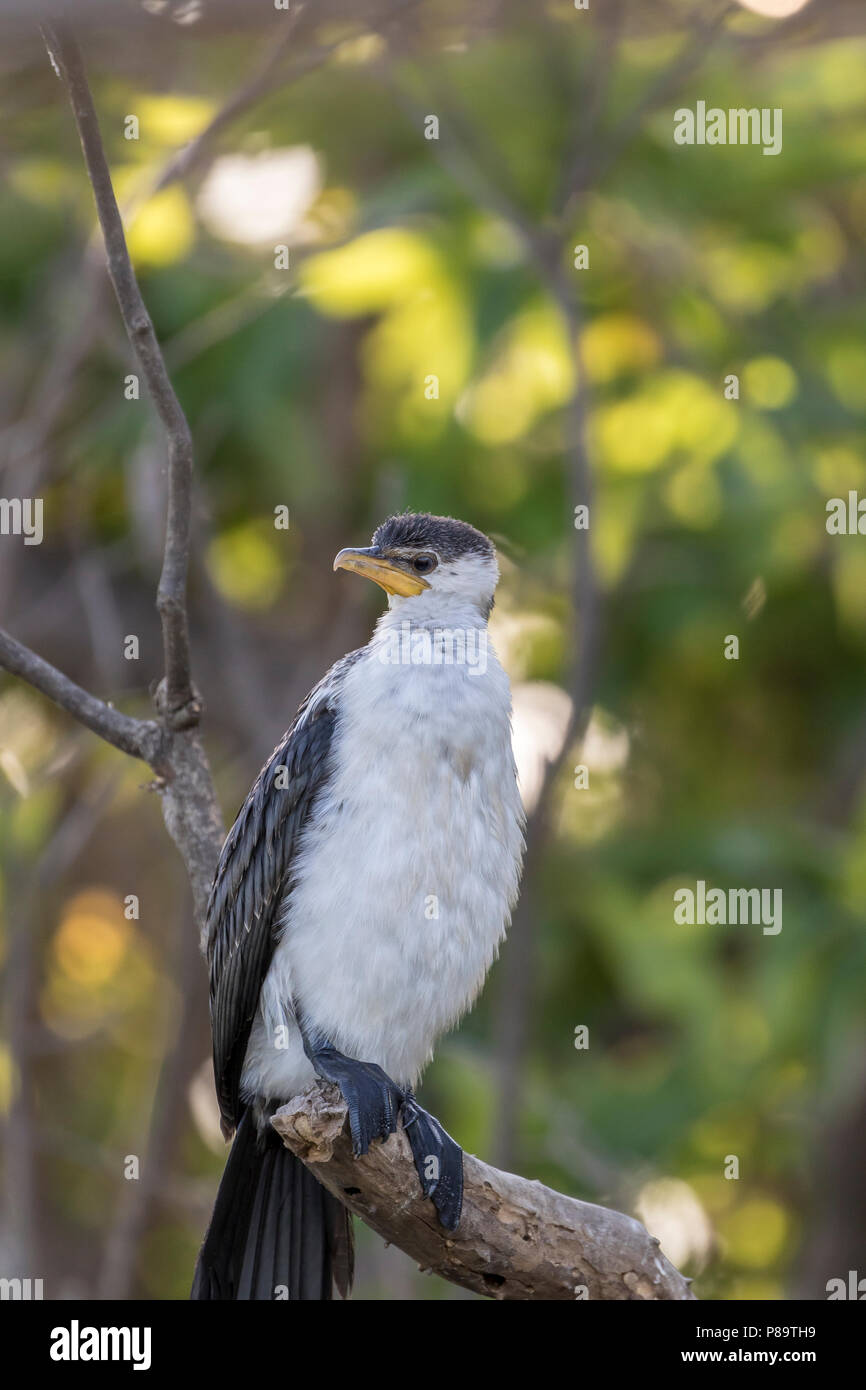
<point>359,901</point>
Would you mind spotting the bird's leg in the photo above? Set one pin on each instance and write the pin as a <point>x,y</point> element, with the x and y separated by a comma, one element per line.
<point>374,1101</point>
<point>438,1160</point>
<point>372,1098</point>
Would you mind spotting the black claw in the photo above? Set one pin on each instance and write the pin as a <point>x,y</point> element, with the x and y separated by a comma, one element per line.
<point>372,1098</point>
<point>374,1102</point>
<point>438,1161</point>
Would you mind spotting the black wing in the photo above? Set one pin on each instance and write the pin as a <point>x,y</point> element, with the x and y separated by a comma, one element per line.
<point>251,878</point>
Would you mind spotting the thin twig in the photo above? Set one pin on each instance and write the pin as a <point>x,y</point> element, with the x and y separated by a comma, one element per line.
<point>264,77</point>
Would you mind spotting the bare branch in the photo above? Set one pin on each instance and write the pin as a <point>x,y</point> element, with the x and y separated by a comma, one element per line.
<point>516,1239</point>
<point>171,594</point>
<point>141,738</point>
<point>589,171</point>
<point>267,76</point>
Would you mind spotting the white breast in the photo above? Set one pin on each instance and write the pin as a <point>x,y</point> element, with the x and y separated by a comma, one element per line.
<point>407,873</point>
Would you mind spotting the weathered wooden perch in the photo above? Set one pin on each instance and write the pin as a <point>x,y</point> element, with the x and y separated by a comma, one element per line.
<point>516,1239</point>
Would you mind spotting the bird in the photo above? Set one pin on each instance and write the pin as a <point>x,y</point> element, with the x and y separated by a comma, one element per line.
<point>359,900</point>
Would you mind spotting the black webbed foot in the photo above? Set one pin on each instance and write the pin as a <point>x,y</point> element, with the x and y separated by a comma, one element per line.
<point>438,1161</point>
<point>373,1099</point>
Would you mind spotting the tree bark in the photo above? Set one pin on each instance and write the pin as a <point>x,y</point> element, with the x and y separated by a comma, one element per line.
<point>517,1239</point>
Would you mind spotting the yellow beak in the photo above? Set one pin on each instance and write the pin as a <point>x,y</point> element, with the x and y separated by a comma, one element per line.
<point>390,577</point>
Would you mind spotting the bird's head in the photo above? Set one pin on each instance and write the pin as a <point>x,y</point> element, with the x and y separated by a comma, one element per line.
<point>434,560</point>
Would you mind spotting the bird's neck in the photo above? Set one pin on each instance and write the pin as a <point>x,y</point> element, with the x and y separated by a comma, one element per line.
<point>431,611</point>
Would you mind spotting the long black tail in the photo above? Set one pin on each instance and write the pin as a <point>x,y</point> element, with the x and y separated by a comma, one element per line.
<point>275,1232</point>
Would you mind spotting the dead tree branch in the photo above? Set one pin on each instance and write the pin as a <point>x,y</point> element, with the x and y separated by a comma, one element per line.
<point>180,703</point>
<point>517,1240</point>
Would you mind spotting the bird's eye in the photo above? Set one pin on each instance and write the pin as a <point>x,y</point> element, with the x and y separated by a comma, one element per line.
<point>424,564</point>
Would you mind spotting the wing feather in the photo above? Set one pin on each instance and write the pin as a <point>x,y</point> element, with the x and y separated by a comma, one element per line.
<point>252,876</point>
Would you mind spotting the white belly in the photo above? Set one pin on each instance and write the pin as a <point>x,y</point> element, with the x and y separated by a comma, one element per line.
<point>405,879</point>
